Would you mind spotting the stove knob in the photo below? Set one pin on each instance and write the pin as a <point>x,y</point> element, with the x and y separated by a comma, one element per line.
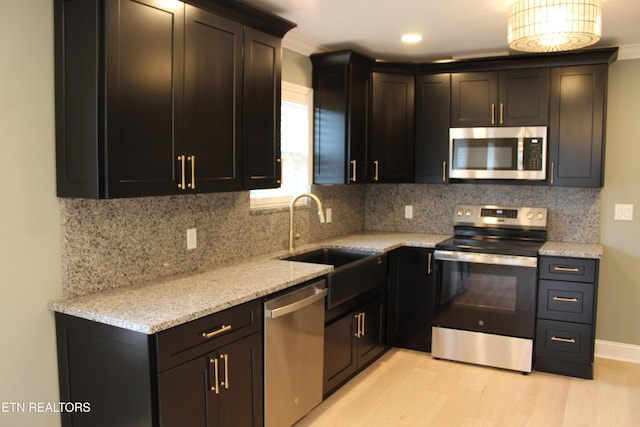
<point>459,212</point>
<point>530,215</point>
<point>468,212</point>
<point>540,215</point>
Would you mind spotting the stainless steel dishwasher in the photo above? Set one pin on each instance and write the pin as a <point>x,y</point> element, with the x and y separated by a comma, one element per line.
<point>293,354</point>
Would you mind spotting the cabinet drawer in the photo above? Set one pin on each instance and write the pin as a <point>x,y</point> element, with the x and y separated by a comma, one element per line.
<point>572,342</point>
<point>566,301</point>
<point>185,342</point>
<point>571,269</point>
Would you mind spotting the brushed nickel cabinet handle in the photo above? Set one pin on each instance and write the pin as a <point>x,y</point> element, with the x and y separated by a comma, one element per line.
<point>215,387</point>
<point>353,171</point>
<point>429,258</point>
<point>502,113</point>
<point>357,334</point>
<point>192,159</point>
<point>376,165</point>
<point>225,383</point>
<point>567,269</point>
<point>222,329</point>
<point>565,299</point>
<point>364,322</point>
<point>553,171</point>
<point>181,184</point>
<point>493,114</point>
<point>444,171</point>
<point>567,340</point>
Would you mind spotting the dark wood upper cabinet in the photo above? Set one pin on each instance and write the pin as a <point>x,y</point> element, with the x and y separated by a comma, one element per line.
<point>392,134</point>
<point>212,103</point>
<point>576,131</point>
<point>261,131</point>
<point>342,97</point>
<point>117,82</point>
<point>433,106</point>
<point>151,97</point>
<point>505,98</point>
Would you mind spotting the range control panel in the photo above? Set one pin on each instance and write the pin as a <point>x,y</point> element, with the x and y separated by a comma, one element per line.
<point>520,217</point>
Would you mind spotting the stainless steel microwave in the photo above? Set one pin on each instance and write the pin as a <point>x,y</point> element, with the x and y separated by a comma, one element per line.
<point>518,153</point>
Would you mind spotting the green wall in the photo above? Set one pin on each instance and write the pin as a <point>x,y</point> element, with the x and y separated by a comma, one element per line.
<point>30,255</point>
<point>619,296</point>
<point>296,68</point>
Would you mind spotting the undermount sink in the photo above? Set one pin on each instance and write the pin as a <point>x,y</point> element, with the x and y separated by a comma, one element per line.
<point>355,272</point>
<point>331,256</point>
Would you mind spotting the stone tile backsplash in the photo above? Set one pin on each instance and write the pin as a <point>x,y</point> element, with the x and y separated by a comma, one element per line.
<point>121,242</point>
<point>574,213</point>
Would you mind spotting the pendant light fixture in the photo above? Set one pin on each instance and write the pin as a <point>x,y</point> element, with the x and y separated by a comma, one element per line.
<point>554,25</point>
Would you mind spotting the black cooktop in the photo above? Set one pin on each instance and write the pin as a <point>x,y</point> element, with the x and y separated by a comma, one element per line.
<point>491,245</point>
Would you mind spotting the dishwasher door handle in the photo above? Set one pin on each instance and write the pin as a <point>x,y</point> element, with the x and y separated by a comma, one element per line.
<point>291,306</point>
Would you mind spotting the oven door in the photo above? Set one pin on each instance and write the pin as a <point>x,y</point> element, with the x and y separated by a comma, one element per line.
<point>494,294</point>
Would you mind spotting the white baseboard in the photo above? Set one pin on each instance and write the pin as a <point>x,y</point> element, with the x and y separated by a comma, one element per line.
<point>617,351</point>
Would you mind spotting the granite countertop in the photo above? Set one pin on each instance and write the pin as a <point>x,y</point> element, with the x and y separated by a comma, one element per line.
<point>154,307</point>
<point>573,250</point>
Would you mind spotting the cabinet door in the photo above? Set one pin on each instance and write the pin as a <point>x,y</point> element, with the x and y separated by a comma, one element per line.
<point>411,298</point>
<point>330,157</point>
<point>339,352</point>
<point>223,388</point>
<point>342,97</point>
<point>241,378</point>
<point>144,51</point>
<point>358,124</point>
<point>576,133</point>
<point>261,130</point>
<point>433,106</point>
<point>372,340</point>
<point>474,99</point>
<point>182,394</point>
<point>392,132</point>
<point>523,97</point>
<point>212,103</point>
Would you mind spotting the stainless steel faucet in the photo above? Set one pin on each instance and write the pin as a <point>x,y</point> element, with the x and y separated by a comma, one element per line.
<point>291,208</point>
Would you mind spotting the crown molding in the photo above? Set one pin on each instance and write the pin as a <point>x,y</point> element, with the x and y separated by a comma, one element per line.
<point>630,51</point>
<point>301,46</point>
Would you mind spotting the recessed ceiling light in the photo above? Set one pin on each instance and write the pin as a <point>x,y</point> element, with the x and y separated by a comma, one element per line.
<point>411,38</point>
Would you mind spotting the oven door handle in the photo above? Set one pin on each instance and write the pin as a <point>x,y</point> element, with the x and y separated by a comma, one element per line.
<point>482,258</point>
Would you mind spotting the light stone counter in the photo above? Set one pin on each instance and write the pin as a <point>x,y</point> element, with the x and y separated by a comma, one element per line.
<point>573,250</point>
<point>385,242</point>
<point>154,307</point>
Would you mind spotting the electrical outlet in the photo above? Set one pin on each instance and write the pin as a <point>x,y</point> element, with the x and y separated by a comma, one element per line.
<point>192,239</point>
<point>408,212</point>
<point>623,212</point>
<point>327,215</point>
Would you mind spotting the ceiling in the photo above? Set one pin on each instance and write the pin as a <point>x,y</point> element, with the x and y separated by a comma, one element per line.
<point>450,29</point>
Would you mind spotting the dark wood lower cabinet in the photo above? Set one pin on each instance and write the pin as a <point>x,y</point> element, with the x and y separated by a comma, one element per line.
<point>566,319</point>
<point>176,377</point>
<point>411,298</point>
<point>189,395</point>
<point>352,341</point>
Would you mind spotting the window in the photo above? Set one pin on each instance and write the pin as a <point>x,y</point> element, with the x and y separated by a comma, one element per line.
<point>295,136</point>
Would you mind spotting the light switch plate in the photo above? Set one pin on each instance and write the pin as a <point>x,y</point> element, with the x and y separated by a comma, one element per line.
<point>408,212</point>
<point>192,239</point>
<point>623,212</point>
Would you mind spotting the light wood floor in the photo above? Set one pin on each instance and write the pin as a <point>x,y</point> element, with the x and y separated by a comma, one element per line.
<point>408,388</point>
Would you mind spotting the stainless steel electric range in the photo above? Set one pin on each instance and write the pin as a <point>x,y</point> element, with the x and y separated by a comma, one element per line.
<point>486,288</point>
